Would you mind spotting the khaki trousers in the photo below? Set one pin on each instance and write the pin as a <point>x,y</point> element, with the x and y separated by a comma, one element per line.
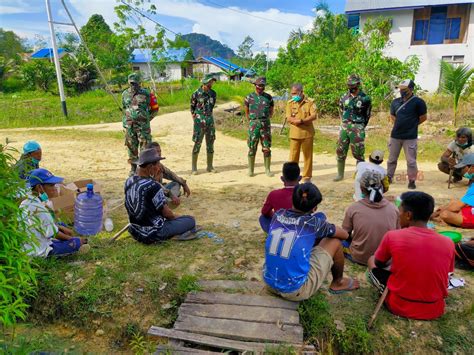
<point>305,145</point>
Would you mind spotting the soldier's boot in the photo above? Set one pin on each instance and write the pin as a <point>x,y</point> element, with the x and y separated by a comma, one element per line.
<point>133,169</point>
<point>194,169</point>
<point>267,161</point>
<point>341,164</point>
<point>210,167</point>
<point>251,165</point>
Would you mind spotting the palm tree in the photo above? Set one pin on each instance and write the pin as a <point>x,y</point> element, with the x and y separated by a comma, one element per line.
<point>7,67</point>
<point>454,81</point>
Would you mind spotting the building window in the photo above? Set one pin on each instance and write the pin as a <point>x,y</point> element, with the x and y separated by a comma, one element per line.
<point>136,68</point>
<point>353,21</point>
<point>455,60</point>
<point>440,24</point>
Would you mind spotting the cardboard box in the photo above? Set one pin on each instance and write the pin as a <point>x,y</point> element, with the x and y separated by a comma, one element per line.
<point>63,205</point>
<point>81,186</point>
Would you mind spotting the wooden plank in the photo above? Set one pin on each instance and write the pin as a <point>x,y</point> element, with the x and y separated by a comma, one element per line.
<point>229,285</point>
<point>240,299</point>
<point>238,312</point>
<point>241,330</point>
<point>181,350</point>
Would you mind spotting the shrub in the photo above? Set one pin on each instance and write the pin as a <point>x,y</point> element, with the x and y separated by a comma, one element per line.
<point>39,74</point>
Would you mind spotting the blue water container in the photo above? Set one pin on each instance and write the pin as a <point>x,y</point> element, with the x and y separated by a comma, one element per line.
<point>88,212</point>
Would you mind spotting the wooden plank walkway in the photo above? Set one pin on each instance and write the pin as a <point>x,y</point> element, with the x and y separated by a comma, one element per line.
<point>220,321</point>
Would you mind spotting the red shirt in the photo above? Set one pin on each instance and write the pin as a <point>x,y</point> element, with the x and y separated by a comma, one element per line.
<point>278,199</point>
<point>421,261</point>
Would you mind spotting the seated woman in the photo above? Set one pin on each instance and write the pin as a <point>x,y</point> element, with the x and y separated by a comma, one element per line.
<point>455,152</point>
<point>51,239</point>
<point>369,219</point>
<point>29,160</point>
<point>459,213</point>
<point>151,220</point>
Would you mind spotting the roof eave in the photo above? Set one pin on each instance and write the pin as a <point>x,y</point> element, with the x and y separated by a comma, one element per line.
<point>382,9</point>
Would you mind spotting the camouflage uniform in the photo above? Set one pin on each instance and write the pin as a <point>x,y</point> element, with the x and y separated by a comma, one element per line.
<point>355,116</point>
<point>259,107</point>
<point>202,104</point>
<point>136,120</point>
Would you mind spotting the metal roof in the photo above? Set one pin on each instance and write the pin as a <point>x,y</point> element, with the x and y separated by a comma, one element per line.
<point>354,6</point>
<point>46,53</point>
<point>226,65</point>
<point>140,55</point>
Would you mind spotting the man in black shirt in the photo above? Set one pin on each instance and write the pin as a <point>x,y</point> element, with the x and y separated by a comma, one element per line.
<point>406,114</point>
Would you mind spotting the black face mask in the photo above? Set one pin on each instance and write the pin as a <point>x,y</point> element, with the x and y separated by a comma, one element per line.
<point>353,90</point>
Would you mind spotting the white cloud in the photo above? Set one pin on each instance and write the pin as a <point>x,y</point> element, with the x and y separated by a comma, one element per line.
<point>11,7</point>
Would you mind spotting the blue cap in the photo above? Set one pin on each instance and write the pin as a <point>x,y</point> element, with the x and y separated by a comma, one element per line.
<point>30,147</point>
<point>43,176</point>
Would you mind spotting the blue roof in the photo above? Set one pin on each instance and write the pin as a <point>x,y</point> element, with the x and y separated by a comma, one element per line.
<point>226,65</point>
<point>140,55</point>
<point>46,53</point>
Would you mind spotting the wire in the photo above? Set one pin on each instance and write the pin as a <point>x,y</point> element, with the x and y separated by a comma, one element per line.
<point>249,14</point>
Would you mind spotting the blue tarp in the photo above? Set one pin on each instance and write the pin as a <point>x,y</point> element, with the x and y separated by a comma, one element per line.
<point>46,53</point>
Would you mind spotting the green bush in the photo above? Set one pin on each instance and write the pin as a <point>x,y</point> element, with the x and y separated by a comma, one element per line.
<point>38,74</point>
<point>17,275</point>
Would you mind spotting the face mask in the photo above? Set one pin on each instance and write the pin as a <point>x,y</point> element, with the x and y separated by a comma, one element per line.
<point>403,94</point>
<point>462,145</point>
<point>469,176</point>
<point>35,161</point>
<point>352,90</point>
<point>43,197</point>
<point>296,98</point>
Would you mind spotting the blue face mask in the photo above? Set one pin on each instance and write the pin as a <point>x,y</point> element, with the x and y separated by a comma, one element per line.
<point>35,161</point>
<point>296,98</point>
<point>43,197</point>
<point>469,176</point>
<point>465,145</point>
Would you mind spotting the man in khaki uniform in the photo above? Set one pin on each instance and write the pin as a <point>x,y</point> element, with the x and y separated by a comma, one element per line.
<point>300,114</point>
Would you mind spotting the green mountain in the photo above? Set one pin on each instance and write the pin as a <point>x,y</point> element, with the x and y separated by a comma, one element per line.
<point>203,45</point>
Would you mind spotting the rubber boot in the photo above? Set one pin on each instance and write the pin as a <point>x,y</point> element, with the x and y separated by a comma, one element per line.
<point>251,165</point>
<point>194,169</point>
<point>267,162</point>
<point>341,164</point>
<point>210,167</point>
<point>133,169</point>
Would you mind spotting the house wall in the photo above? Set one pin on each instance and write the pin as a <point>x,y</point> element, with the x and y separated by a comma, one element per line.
<point>172,72</point>
<point>201,69</point>
<point>430,55</point>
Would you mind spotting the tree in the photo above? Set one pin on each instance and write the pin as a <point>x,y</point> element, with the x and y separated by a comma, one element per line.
<point>7,67</point>
<point>245,48</point>
<point>79,72</point>
<point>11,46</point>
<point>455,81</point>
<point>39,74</point>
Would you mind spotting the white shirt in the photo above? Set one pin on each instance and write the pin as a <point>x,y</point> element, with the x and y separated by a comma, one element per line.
<point>458,151</point>
<point>361,168</point>
<point>39,222</point>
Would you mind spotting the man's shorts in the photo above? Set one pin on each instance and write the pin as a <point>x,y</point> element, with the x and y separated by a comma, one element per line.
<point>467,218</point>
<point>346,248</point>
<point>320,266</point>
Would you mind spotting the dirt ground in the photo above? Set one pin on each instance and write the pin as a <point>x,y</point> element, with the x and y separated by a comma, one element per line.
<point>228,198</point>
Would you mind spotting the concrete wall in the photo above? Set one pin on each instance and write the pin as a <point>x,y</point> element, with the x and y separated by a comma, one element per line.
<point>201,69</point>
<point>430,55</point>
<point>172,72</point>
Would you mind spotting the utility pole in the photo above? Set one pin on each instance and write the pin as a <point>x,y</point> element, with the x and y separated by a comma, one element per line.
<point>268,51</point>
<point>56,59</point>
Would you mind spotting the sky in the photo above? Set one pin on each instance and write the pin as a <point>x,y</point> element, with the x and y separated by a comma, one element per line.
<point>229,21</point>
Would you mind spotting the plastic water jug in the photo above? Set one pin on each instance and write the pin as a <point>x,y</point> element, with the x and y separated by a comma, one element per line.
<point>88,212</point>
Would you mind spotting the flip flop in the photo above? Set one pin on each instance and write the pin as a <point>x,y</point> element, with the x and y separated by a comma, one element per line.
<point>348,289</point>
<point>189,235</point>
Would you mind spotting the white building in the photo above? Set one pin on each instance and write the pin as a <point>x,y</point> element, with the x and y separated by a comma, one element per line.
<point>221,68</point>
<point>174,65</point>
<point>433,30</point>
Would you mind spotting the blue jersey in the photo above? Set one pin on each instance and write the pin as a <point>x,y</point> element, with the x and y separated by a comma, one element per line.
<point>288,247</point>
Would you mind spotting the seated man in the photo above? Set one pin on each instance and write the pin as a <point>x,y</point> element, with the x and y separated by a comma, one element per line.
<point>459,213</point>
<point>302,248</point>
<point>465,254</point>
<point>172,189</point>
<point>455,152</point>
<point>420,261</point>
<point>281,198</point>
<point>374,164</point>
<point>52,240</point>
<point>151,220</point>
<point>368,220</point>
<point>29,160</point>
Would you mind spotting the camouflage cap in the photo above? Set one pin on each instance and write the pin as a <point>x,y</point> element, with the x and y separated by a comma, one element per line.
<point>353,79</point>
<point>134,78</point>
<point>207,79</point>
<point>260,81</point>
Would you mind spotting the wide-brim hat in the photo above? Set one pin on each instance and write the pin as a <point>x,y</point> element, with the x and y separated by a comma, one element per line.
<point>148,156</point>
<point>42,176</point>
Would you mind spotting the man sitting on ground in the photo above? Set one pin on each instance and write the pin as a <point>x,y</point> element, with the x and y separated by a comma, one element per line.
<point>465,254</point>
<point>151,220</point>
<point>172,189</point>
<point>374,164</point>
<point>302,248</point>
<point>459,212</point>
<point>52,240</point>
<point>455,152</point>
<point>420,261</point>
<point>29,160</point>
<point>368,220</point>
<point>281,198</point>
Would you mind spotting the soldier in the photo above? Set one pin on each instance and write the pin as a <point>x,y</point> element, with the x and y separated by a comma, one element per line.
<point>136,119</point>
<point>355,106</point>
<point>300,114</point>
<point>259,110</point>
<point>203,101</point>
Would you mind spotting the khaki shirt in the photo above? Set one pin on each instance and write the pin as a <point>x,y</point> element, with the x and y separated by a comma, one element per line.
<point>301,110</point>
